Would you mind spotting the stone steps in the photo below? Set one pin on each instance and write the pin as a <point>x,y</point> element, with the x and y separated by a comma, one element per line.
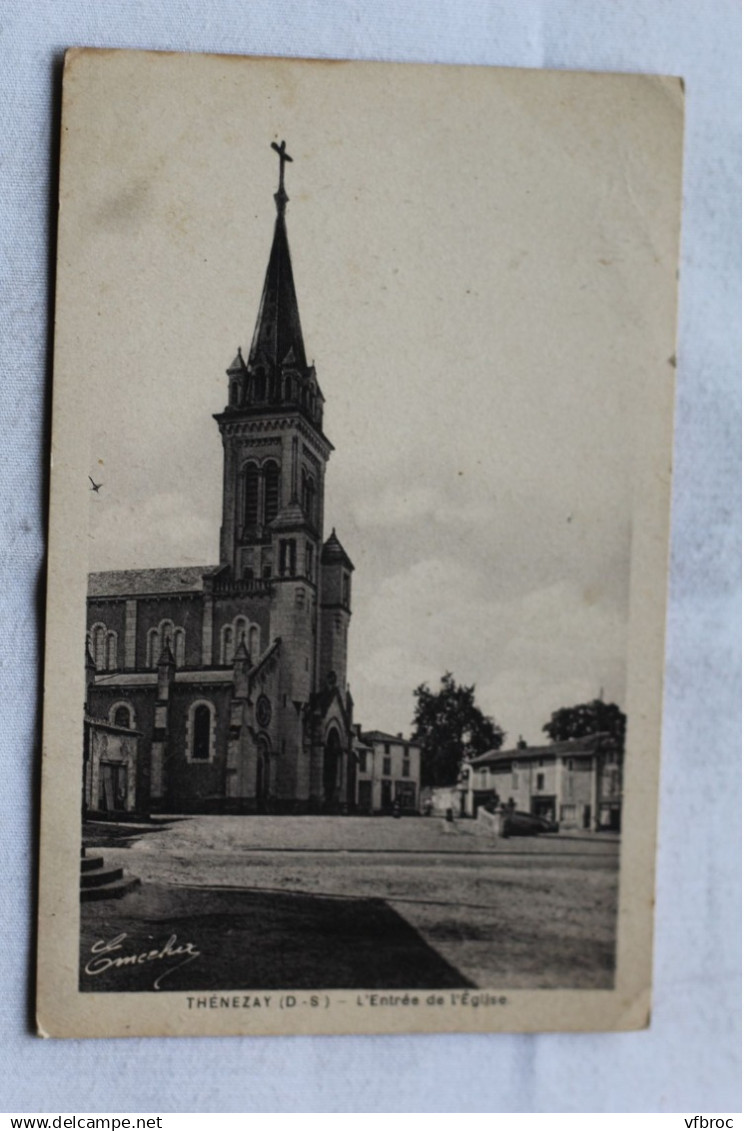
<point>90,863</point>
<point>99,882</point>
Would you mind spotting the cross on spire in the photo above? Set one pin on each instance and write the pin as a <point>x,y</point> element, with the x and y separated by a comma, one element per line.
<point>280,195</point>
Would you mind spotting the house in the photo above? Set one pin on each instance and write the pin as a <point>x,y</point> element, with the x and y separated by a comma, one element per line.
<point>110,755</point>
<point>388,772</point>
<point>577,783</point>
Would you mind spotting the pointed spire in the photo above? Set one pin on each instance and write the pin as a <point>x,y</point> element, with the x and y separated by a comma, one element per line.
<point>238,365</point>
<point>241,652</point>
<point>333,552</point>
<point>277,339</point>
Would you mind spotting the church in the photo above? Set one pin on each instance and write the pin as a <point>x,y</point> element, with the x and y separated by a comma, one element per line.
<point>222,688</point>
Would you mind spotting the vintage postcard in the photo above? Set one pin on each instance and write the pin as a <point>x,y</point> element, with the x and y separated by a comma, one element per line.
<point>362,422</point>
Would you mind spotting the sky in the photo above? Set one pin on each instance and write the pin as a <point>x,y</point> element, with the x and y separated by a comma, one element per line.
<point>476,256</point>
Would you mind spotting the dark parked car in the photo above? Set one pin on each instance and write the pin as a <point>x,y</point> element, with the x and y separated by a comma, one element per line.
<point>519,823</point>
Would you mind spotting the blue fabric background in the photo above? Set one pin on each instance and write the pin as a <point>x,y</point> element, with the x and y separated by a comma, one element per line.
<point>689,1059</point>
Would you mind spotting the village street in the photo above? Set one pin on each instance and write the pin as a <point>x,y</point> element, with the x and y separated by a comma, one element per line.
<point>273,902</point>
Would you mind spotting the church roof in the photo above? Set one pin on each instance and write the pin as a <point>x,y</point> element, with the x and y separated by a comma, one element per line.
<point>277,339</point>
<point>571,746</point>
<point>333,552</point>
<point>138,582</point>
<point>265,659</point>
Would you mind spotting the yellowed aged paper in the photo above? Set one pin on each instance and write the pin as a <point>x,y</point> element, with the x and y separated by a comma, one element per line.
<point>363,375</point>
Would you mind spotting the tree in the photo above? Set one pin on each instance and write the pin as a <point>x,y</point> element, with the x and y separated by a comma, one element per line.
<point>585,719</point>
<point>449,727</point>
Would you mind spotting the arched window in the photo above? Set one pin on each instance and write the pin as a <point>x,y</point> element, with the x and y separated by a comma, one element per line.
<point>308,497</point>
<point>240,631</point>
<point>111,651</point>
<point>200,731</point>
<point>202,727</point>
<point>260,385</point>
<point>271,491</point>
<point>287,557</point>
<point>263,772</point>
<point>166,633</point>
<point>122,715</point>
<point>232,634</point>
<point>179,647</point>
<point>152,648</point>
<point>98,646</point>
<point>251,495</point>
<point>157,638</point>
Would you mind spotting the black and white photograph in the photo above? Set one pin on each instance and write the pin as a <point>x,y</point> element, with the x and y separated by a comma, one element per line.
<point>362,428</point>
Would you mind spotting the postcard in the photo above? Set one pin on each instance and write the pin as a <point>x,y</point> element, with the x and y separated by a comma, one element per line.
<point>360,475</point>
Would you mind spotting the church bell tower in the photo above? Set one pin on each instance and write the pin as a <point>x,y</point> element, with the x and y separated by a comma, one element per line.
<point>272,434</point>
<point>271,540</point>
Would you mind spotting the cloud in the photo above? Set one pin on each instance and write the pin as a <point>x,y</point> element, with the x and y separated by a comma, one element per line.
<point>152,532</point>
<point>397,506</point>
<point>527,655</point>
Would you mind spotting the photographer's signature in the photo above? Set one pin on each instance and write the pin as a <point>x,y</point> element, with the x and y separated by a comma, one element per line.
<point>106,955</point>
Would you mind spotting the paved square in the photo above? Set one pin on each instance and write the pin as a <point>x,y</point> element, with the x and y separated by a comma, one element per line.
<point>358,903</point>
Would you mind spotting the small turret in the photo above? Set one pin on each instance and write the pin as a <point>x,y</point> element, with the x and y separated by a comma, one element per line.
<point>166,670</point>
<point>241,669</point>
<point>336,569</point>
<point>238,380</point>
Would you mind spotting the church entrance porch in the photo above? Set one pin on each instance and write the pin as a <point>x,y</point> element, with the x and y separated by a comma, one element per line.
<point>332,770</point>
<point>263,784</point>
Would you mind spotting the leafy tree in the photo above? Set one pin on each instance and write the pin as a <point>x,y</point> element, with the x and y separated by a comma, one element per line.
<point>587,718</point>
<point>449,726</point>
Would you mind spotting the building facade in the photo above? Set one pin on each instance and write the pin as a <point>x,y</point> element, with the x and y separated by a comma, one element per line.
<point>577,783</point>
<point>233,675</point>
<point>388,773</point>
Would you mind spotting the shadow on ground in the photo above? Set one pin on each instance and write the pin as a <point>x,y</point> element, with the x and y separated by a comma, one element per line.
<point>120,834</point>
<point>254,940</point>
